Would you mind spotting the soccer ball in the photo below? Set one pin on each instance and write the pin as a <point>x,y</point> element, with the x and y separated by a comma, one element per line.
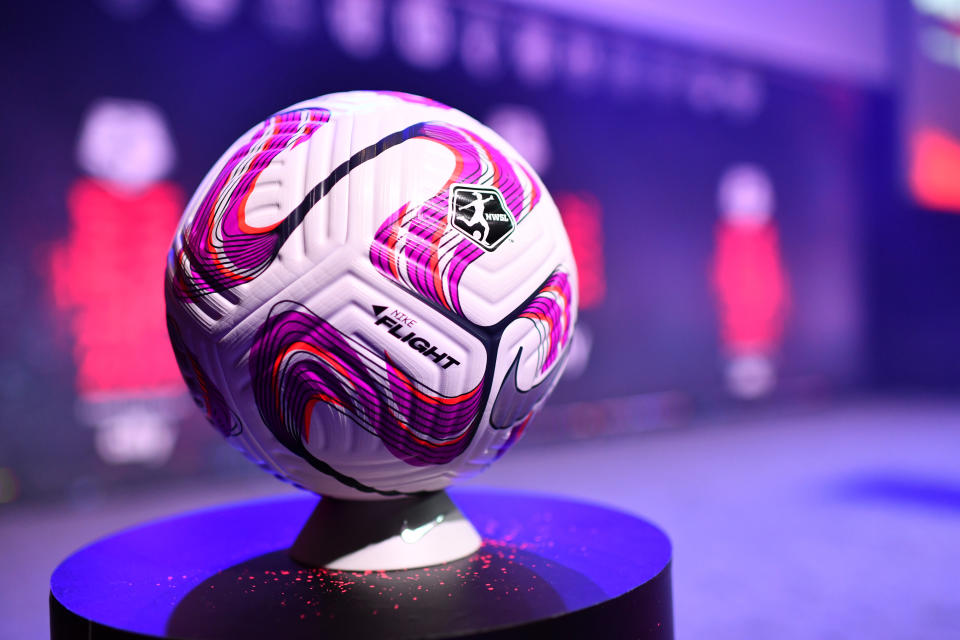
<point>371,294</point>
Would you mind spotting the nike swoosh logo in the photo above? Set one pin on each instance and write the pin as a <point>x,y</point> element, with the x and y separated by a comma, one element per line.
<point>410,536</point>
<point>513,403</point>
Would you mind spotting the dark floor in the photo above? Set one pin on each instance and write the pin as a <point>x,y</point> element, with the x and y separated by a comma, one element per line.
<point>839,523</point>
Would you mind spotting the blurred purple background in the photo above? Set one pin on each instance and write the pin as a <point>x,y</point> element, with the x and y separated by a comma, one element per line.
<point>761,197</point>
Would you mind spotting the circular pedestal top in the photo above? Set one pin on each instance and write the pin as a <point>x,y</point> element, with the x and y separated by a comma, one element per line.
<point>547,565</point>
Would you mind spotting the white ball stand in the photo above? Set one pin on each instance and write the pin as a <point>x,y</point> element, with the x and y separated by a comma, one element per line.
<point>385,535</point>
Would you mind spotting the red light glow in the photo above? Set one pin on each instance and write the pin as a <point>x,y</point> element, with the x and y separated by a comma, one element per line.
<point>583,219</point>
<point>751,287</point>
<point>935,169</point>
<point>108,276</point>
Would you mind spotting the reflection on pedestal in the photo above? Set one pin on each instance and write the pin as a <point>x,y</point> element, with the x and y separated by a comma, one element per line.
<point>547,566</point>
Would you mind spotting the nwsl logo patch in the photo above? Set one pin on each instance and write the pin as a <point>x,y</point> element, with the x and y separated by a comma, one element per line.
<point>480,214</point>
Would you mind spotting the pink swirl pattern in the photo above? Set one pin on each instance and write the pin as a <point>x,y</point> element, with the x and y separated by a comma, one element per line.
<point>417,247</point>
<point>221,248</point>
<point>550,310</point>
<point>299,359</point>
<point>204,392</point>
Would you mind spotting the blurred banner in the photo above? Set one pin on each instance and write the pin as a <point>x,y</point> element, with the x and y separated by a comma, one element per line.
<point>713,206</point>
<point>931,103</point>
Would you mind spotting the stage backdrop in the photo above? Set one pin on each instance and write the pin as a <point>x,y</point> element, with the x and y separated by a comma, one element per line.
<point>714,207</point>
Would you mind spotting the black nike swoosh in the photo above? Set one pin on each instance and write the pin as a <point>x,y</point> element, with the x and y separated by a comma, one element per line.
<point>513,403</point>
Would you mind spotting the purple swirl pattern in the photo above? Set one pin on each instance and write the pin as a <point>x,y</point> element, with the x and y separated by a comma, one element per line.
<point>221,249</point>
<point>435,429</point>
<point>416,246</point>
<point>299,359</point>
<point>205,394</point>
<point>550,311</point>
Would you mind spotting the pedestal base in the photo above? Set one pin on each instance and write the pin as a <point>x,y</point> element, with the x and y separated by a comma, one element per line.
<point>547,566</point>
<point>385,535</point>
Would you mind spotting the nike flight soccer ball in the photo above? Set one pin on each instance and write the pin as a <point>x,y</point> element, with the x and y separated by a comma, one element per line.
<point>371,294</point>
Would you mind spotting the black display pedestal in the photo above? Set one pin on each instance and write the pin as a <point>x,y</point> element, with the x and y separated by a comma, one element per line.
<point>548,567</point>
